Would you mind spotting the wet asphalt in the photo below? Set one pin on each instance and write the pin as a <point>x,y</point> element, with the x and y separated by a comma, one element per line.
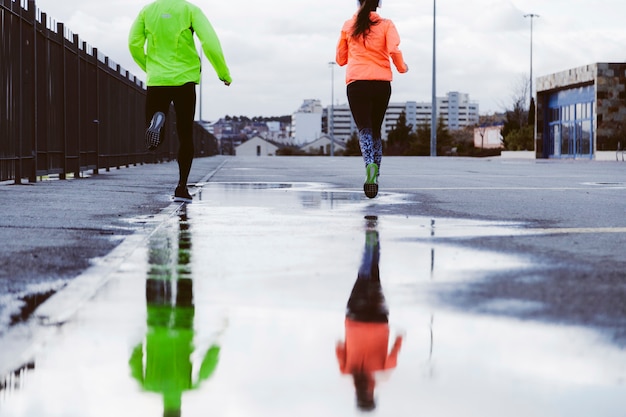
<point>502,251</point>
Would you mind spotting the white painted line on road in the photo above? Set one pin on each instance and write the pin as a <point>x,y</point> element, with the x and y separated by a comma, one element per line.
<point>504,188</point>
<point>210,175</point>
<point>577,230</point>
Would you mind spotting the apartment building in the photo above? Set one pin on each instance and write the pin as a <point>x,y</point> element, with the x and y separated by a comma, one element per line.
<point>306,122</point>
<point>455,109</point>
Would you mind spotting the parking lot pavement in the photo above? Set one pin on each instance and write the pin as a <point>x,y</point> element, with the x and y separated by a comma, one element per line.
<point>477,258</point>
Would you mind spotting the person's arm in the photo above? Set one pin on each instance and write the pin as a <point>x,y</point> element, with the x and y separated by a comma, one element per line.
<point>136,363</point>
<point>210,45</point>
<point>209,363</point>
<point>341,55</point>
<point>393,46</point>
<point>392,359</point>
<point>137,41</point>
<point>340,352</point>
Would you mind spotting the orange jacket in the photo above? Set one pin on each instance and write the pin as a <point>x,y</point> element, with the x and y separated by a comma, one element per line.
<point>365,348</point>
<point>369,59</point>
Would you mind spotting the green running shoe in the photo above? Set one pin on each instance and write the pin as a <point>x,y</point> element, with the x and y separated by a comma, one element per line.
<point>371,181</point>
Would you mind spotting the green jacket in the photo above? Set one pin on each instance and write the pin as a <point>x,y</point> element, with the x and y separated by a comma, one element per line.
<point>163,362</point>
<point>170,57</point>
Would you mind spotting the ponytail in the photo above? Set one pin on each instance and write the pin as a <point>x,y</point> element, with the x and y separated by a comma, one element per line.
<point>363,22</point>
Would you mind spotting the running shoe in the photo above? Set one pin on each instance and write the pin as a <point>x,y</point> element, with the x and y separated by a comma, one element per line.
<point>371,181</point>
<point>153,132</point>
<point>181,195</point>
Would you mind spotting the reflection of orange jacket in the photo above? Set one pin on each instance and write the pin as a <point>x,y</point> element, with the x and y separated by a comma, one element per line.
<point>365,348</point>
<point>369,59</point>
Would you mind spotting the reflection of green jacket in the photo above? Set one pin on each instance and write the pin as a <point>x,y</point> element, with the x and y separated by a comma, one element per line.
<point>167,368</point>
<point>170,58</point>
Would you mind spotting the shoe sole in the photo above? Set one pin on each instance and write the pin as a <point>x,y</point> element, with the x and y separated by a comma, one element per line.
<point>370,188</point>
<point>153,132</point>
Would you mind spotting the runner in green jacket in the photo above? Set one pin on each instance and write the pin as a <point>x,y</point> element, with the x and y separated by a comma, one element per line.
<point>161,41</point>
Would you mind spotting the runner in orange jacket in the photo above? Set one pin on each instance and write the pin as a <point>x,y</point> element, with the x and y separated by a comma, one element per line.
<point>366,44</point>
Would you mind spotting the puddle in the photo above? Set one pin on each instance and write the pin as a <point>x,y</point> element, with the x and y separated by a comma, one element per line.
<point>18,308</point>
<point>275,301</point>
<point>606,184</point>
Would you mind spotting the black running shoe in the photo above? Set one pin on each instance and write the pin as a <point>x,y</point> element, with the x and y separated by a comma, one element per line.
<point>153,132</point>
<point>181,195</point>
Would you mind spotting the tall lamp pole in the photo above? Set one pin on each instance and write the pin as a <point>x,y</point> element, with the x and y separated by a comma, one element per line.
<point>433,116</point>
<point>331,113</point>
<point>531,103</point>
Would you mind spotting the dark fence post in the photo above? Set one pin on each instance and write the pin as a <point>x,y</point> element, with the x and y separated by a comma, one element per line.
<point>30,113</point>
<point>97,119</point>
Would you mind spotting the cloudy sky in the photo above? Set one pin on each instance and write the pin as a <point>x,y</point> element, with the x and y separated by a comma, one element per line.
<point>279,51</point>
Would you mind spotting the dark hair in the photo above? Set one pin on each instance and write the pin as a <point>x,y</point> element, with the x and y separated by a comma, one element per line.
<point>364,393</point>
<point>363,21</point>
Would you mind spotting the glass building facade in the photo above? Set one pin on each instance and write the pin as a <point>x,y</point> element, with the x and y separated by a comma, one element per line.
<point>570,123</point>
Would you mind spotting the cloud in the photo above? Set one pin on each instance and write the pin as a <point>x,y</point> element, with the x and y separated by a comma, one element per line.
<point>496,17</point>
<point>279,52</point>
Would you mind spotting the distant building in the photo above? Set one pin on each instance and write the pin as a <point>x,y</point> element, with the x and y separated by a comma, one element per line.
<point>278,132</point>
<point>307,122</point>
<point>488,136</point>
<point>455,109</point>
<point>321,146</point>
<point>256,146</point>
<point>342,123</point>
<point>581,112</point>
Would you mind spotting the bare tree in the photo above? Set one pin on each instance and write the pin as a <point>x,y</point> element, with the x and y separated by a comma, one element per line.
<point>518,126</point>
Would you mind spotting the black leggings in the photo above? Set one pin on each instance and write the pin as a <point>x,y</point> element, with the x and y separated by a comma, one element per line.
<point>158,99</point>
<point>368,103</point>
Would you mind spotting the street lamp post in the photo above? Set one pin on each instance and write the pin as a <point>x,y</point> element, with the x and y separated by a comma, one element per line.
<point>531,102</point>
<point>532,16</point>
<point>331,113</point>
<point>433,116</point>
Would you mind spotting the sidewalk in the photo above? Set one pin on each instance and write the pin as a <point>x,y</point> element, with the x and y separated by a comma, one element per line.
<point>51,230</point>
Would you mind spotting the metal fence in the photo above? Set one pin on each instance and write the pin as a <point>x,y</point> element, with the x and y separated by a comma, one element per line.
<point>66,108</point>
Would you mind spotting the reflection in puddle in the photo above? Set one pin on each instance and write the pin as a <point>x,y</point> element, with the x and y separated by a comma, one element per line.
<point>316,200</point>
<point>153,341</point>
<point>163,363</point>
<point>255,186</point>
<point>306,195</point>
<point>364,351</point>
<point>17,308</point>
<point>14,381</point>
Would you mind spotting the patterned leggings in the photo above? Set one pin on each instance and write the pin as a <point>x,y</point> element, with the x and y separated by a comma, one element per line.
<point>368,103</point>
<point>371,147</point>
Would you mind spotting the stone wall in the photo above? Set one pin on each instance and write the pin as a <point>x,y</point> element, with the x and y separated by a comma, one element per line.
<point>564,79</point>
<point>610,106</point>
